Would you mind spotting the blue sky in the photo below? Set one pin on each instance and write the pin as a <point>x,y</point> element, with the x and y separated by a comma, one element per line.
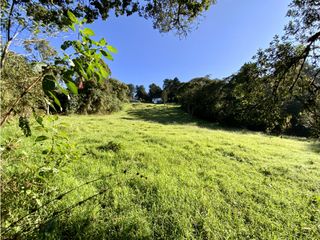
<point>229,35</point>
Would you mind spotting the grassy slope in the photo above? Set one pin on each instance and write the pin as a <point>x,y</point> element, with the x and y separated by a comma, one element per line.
<point>199,181</point>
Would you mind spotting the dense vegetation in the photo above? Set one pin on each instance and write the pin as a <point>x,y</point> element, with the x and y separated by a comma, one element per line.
<point>92,97</point>
<point>246,100</point>
<point>154,171</point>
<point>158,174</point>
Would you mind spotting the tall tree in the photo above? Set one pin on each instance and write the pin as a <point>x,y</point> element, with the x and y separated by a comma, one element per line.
<point>171,87</point>
<point>292,63</point>
<point>154,91</point>
<point>141,93</point>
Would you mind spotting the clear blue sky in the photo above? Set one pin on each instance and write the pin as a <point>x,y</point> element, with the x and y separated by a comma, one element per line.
<point>229,35</point>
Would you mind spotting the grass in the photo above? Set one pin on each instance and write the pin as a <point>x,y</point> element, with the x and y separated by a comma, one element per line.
<point>173,177</point>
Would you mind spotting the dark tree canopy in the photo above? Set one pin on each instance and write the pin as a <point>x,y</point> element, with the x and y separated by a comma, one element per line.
<point>141,93</point>
<point>132,90</point>
<point>154,91</point>
<point>165,14</point>
<point>171,88</point>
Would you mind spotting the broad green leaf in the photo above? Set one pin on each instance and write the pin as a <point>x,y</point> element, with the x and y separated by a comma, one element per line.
<point>63,90</point>
<point>72,87</point>
<point>41,138</point>
<point>39,119</point>
<point>72,17</point>
<point>107,55</point>
<point>90,70</point>
<point>79,69</point>
<point>55,99</point>
<point>103,71</point>
<point>112,49</point>
<point>88,32</point>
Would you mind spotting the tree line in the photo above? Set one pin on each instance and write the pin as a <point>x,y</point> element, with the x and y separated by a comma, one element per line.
<point>278,92</point>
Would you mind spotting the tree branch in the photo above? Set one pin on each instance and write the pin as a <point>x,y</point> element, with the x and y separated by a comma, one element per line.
<point>9,39</point>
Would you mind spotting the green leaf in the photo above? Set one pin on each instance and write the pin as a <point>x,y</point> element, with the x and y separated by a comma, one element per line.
<point>90,70</point>
<point>72,27</point>
<point>41,138</point>
<point>63,90</point>
<point>39,119</point>
<point>66,44</point>
<point>72,87</point>
<point>79,69</point>
<point>72,17</point>
<point>102,42</point>
<point>107,55</point>
<point>112,49</point>
<point>88,32</point>
<point>104,72</point>
<point>55,99</point>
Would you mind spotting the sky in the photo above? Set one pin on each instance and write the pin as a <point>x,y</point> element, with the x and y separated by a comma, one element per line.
<point>228,36</point>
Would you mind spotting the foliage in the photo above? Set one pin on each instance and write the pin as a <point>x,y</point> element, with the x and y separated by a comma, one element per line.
<point>94,97</point>
<point>166,15</point>
<point>171,87</point>
<point>226,183</point>
<point>141,94</point>
<point>83,63</point>
<point>294,69</point>
<point>25,126</point>
<point>154,91</point>
<point>247,99</point>
<point>17,74</point>
<point>46,152</point>
<point>278,92</point>
<point>132,90</point>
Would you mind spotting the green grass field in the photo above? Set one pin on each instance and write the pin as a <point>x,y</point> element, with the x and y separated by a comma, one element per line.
<point>173,177</point>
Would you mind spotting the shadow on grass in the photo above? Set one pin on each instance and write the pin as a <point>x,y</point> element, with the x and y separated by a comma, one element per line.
<point>172,115</point>
<point>315,147</point>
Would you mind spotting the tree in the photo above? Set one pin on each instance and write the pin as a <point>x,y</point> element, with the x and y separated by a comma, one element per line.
<point>154,91</point>
<point>171,86</point>
<point>141,93</point>
<point>15,77</point>
<point>132,90</point>
<point>49,16</point>
<point>288,61</point>
<point>304,28</point>
<point>83,63</point>
<point>95,97</point>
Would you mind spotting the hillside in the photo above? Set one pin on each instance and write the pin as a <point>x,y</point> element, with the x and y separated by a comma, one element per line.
<point>167,176</point>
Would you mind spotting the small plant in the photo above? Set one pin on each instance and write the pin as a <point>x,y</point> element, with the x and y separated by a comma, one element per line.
<point>25,126</point>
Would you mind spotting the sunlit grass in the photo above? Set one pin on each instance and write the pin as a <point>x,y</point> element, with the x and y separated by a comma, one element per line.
<point>176,177</point>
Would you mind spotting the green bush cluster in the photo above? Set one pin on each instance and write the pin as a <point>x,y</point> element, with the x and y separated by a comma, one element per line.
<point>94,97</point>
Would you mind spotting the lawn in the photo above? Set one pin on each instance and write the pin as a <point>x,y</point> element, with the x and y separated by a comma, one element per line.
<point>157,173</point>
